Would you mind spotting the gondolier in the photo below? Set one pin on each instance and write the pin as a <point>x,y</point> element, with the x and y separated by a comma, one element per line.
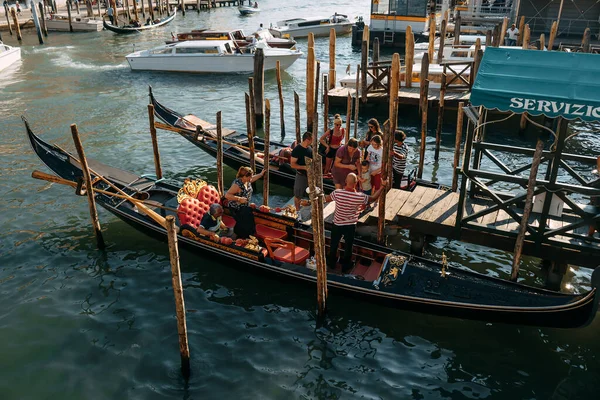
<point>348,205</point>
<point>298,162</point>
<point>110,12</point>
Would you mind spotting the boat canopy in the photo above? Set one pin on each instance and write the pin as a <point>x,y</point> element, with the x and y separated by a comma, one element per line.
<point>550,83</point>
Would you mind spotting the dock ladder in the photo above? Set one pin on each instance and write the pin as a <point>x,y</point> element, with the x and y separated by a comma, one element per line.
<point>388,32</point>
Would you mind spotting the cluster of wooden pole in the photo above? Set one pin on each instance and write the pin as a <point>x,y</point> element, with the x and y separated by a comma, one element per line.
<point>310,83</point>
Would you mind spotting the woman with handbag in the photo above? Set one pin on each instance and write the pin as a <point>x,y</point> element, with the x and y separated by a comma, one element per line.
<point>331,141</point>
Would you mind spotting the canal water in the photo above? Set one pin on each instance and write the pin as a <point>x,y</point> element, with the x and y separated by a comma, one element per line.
<point>77,323</point>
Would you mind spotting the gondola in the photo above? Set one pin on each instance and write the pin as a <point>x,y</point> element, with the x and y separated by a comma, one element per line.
<point>235,153</point>
<point>135,29</point>
<point>379,275</point>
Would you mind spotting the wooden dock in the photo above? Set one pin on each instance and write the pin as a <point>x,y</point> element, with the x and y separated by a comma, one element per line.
<point>406,96</point>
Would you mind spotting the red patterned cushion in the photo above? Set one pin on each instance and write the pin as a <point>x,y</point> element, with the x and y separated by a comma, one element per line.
<point>209,195</point>
<point>263,231</point>
<point>190,211</point>
<point>285,255</point>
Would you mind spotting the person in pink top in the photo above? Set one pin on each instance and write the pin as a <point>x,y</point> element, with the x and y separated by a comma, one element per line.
<point>348,205</point>
<point>347,160</point>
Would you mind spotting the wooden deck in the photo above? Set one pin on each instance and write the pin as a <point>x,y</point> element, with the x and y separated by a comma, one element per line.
<point>406,96</point>
<point>433,212</point>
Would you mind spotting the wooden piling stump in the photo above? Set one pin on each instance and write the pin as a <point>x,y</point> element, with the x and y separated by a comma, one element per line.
<point>280,92</point>
<point>310,89</point>
<point>553,32</point>
<point>332,74</point>
<point>259,87</point>
<point>13,13</point>
<point>266,164</point>
<point>157,165</point>
<point>424,104</point>
<point>440,121</point>
<point>220,184</point>
<point>297,117</point>
<point>459,129</point>
<point>409,56</point>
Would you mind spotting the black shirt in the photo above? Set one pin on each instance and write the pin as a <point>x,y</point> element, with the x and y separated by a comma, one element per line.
<point>299,153</point>
<point>209,223</point>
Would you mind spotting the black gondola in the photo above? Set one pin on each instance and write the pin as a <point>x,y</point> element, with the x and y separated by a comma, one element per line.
<point>136,29</point>
<point>380,275</point>
<point>235,154</point>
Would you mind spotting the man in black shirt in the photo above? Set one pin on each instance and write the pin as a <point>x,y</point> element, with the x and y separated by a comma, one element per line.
<point>301,151</point>
<point>212,224</point>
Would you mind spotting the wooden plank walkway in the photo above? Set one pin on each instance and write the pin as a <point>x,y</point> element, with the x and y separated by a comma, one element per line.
<point>406,96</point>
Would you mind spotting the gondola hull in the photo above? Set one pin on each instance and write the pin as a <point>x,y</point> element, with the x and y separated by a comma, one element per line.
<point>417,285</point>
<point>130,29</point>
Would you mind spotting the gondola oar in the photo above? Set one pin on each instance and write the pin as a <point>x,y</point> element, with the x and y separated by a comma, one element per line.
<point>138,203</point>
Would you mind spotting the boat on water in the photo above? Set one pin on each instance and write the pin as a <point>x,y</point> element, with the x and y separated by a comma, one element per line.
<point>128,29</point>
<point>235,151</point>
<point>8,55</point>
<point>56,22</point>
<point>282,248</point>
<point>246,10</point>
<point>237,35</point>
<point>208,56</point>
<point>319,26</point>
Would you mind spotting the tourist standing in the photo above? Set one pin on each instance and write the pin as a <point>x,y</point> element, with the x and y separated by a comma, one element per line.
<point>374,129</point>
<point>110,12</point>
<point>375,156</point>
<point>298,162</point>
<point>399,158</point>
<point>512,33</point>
<point>347,159</point>
<point>332,141</point>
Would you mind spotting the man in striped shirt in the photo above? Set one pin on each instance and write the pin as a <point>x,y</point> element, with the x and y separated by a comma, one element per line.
<point>399,158</point>
<point>348,205</point>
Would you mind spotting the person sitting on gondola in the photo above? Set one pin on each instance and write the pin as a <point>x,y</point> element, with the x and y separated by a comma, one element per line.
<point>255,4</point>
<point>238,197</point>
<point>212,224</point>
<point>149,21</point>
<point>135,23</point>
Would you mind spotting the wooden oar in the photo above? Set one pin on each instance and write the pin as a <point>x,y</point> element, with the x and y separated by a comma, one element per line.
<point>138,203</point>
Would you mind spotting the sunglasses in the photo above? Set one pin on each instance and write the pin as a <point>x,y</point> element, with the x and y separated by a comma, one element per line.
<point>371,126</point>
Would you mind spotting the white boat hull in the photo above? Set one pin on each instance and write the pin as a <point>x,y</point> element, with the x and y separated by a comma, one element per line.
<point>8,56</point>
<point>227,64</point>
<point>317,30</point>
<point>79,25</point>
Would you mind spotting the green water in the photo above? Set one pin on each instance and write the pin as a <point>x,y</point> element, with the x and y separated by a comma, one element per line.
<point>77,323</point>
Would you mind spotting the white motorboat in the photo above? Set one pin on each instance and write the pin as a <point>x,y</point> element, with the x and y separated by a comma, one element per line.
<point>245,10</point>
<point>319,26</point>
<point>8,55</point>
<point>80,24</point>
<point>208,56</point>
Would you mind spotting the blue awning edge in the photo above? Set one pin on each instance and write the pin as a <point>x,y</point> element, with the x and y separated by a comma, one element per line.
<point>550,83</point>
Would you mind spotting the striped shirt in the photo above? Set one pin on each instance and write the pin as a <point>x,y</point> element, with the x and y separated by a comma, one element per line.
<point>347,206</point>
<point>399,164</point>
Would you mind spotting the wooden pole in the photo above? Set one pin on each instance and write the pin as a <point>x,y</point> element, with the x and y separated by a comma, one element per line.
<point>252,131</point>
<point>157,165</point>
<point>89,187</point>
<point>521,31</point>
<point>459,129</point>
<point>438,130</point>
<point>409,56</point>
<point>424,106</point>
<point>349,114</point>
<point>36,21</point>
<point>16,22</point>
<point>585,43</point>
<point>488,38</point>
<point>71,20</point>
<point>503,30</point>
<point>184,348</point>
<point>325,103</point>
<point>388,143</point>
<point>316,200</point>
<point>143,11</point>
<point>375,50</point>
<point>356,105</point>
<point>526,37</point>
<point>542,42</point>
<point>537,156</point>
<point>364,64</point>
<point>332,74</point>
<point>280,91</point>
<point>440,56</point>
<point>100,12</point>
<point>220,185</point>
<point>297,117</point>
<point>310,88</point>
<point>198,6</point>
<point>431,35</point>
<point>316,99</point>
<point>259,87</point>
<point>476,62</point>
<point>151,9</point>
<point>135,11</point>
<point>457,22</point>
<point>553,32</point>
<point>7,14</point>
<point>266,152</point>
<point>43,19</point>
<point>77,7</point>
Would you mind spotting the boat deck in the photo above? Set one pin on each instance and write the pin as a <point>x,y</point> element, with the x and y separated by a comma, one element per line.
<point>406,96</point>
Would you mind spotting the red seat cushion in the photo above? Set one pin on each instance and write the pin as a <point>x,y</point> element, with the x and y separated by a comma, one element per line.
<point>209,195</point>
<point>285,255</point>
<point>263,231</point>
<point>191,211</point>
<point>228,221</point>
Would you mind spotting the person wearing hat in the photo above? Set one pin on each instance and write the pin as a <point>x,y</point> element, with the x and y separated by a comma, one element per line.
<point>512,33</point>
<point>332,140</point>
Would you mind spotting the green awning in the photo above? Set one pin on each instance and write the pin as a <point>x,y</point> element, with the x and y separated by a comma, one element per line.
<point>552,83</point>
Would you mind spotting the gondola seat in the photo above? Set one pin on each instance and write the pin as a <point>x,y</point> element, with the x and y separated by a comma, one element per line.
<point>191,211</point>
<point>263,232</point>
<point>287,252</point>
<point>209,195</point>
<point>229,221</point>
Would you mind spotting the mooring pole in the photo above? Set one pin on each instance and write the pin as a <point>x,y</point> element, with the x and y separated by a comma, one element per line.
<point>457,22</point>
<point>356,106</point>
<point>526,37</point>
<point>375,51</point>
<point>432,27</point>
<point>252,130</point>
<point>184,348</point>
<point>310,82</point>
<point>553,32</point>
<point>349,113</point>
<point>503,30</point>
<point>521,31</point>
<point>537,156</point>
<point>143,11</point>
<point>220,185</point>
<point>89,188</point>
<point>542,42</point>
<point>585,42</point>
<point>325,103</point>
<point>259,87</point>
<point>332,73</point>
<point>424,104</point>
<point>36,21</point>
<point>16,22</point>
<point>440,121</point>
<point>157,166</point>
<point>297,117</point>
<point>388,144</point>
<point>266,153</point>
<point>440,56</point>
<point>69,15</point>
<point>280,91</point>
<point>364,65</point>
<point>459,129</point>
<point>7,15</point>
<point>409,56</point>
<point>43,19</point>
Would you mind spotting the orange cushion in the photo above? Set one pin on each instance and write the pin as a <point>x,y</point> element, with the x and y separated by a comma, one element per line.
<point>190,212</point>
<point>228,221</point>
<point>285,255</point>
<point>263,231</point>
